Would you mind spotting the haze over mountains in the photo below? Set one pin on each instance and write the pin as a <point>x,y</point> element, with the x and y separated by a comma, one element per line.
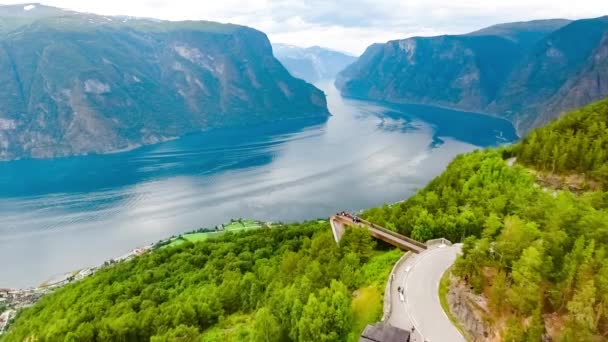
<point>75,83</point>
<point>312,64</point>
<point>527,72</point>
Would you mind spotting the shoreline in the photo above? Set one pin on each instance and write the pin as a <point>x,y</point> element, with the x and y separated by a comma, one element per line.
<point>16,299</point>
<point>64,278</point>
<point>435,105</point>
<point>164,139</point>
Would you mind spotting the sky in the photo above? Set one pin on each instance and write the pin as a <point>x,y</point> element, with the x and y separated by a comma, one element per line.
<point>346,25</point>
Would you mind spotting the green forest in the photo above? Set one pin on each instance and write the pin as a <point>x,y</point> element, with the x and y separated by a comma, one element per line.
<point>286,283</point>
<point>577,143</point>
<point>539,255</point>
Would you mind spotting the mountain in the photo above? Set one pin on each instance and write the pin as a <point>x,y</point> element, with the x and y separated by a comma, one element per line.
<point>528,72</point>
<point>526,32</point>
<point>453,71</point>
<point>312,64</point>
<point>536,217</point>
<point>75,83</point>
<point>565,70</point>
<point>535,257</point>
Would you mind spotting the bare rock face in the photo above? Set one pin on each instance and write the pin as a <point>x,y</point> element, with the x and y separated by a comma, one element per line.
<point>529,73</point>
<point>468,311</point>
<point>75,83</point>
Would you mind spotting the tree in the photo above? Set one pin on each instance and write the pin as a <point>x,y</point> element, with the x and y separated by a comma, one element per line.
<point>266,328</point>
<point>182,333</point>
<point>469,266</point>
<point>424,227</point>
<point>514,238</point>
<point>326,317</point>
<point>514,331</point>
<point>358,241</point>
<point>582,307</point>
<point>230,292</point>
<point>497,294</point>
<point>349,274</point>
<point>536,327</point>
<point>491,226</point>
<point>525,293</point>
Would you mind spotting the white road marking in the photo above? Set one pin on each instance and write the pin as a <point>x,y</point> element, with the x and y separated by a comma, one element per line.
<point>426,304</point>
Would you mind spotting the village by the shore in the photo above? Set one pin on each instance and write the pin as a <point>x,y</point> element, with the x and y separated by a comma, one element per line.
<point>13,300</point>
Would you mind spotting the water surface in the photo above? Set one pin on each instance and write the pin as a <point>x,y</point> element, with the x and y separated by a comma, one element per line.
<point>63,214</point>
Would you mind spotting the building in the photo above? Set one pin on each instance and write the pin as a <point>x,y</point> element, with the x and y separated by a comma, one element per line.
<point>382,332</point>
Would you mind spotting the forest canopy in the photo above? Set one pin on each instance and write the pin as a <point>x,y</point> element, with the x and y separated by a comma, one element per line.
<point>292,282</point>
<point>538,254</point>
<point>576,143</point>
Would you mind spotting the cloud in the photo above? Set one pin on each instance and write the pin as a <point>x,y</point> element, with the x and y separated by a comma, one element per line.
<point>346,24</point>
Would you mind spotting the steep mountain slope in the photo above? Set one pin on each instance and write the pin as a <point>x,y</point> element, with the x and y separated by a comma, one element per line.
<point>590,84</point>
<point>534,264</point>
<point>312,64</point>
<point>456,71</point>
<point>534,261</point>
<point>564,71</point>
<point>528,72</point>
<point>76,83</point>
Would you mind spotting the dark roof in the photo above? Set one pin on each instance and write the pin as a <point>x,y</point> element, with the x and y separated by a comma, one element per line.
<point>384,333</point>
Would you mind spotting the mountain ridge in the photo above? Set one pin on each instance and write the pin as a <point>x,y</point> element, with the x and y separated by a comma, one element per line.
<point>313,63</point>
<point>475,71</point>
<point>83,83</point>
<point>530,253</point>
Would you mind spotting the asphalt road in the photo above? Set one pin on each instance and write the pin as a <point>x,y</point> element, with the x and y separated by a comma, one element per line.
<point>419,276</point>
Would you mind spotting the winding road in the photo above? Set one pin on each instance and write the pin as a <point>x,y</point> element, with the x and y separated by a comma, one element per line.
<point>419,307</point>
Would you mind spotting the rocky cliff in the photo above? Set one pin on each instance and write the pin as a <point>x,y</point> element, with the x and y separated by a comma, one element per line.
<point>565,70</point>
<point>455,71</point>
<point>75,83</point>
<point>528,72</point>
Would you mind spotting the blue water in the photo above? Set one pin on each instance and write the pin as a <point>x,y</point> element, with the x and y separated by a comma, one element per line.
<point>59,215</point>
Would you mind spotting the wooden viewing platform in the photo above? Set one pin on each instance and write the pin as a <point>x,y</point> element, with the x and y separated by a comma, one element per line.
<point>339,222</point>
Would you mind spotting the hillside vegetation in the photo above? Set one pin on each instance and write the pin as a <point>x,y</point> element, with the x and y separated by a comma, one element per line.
<point>273,284</point>
<point>456,204</point>
<point>577,143</point>
<point>538,255</point>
